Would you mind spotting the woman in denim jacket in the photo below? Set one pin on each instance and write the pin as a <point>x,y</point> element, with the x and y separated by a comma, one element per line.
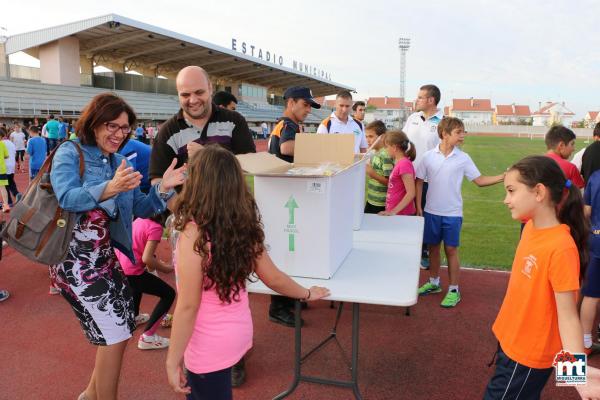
<point>107,198</point>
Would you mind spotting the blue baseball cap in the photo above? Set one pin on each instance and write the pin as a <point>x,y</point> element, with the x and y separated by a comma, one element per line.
<point>301,92</point>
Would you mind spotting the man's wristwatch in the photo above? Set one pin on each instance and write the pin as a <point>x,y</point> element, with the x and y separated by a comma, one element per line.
<point>164,195</point>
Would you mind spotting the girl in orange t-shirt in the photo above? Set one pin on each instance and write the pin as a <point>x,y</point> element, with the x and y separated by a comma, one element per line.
<point>538,317</point>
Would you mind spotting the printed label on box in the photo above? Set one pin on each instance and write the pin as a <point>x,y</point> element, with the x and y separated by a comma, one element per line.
<point>316,187</point>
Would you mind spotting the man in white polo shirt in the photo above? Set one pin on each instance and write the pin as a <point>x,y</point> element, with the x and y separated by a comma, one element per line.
<point>340,122</point>
<point>421,129</point>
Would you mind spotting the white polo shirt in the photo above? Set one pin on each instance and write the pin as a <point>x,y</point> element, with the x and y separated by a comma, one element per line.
<point>445,177</point>
<point>350,126</point>
<point>422,131</point>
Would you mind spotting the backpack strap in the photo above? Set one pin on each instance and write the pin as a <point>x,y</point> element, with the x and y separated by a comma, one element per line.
<point>47,166</point>
<point>360,124</point>
<point>327,123</point>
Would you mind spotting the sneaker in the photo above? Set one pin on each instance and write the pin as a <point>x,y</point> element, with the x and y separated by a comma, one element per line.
<point>424,263</point>
<point>167,321</point>
<point>4,295</point>
<point>152,342</point>
<point>451,299</point>
<point>595,349</point>
<point>141,319</point>
<point>429,288</point>
<point>53,290</point>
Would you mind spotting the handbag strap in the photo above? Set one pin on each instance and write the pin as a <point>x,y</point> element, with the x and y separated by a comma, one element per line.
<point>47,166</point>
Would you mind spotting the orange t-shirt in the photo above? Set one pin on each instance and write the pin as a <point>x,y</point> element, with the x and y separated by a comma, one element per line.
<point>546,261</point>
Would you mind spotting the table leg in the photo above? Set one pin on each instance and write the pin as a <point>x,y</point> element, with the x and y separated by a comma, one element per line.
<point>355,330</point>
<point>353,383</point>
<point>297,352</point>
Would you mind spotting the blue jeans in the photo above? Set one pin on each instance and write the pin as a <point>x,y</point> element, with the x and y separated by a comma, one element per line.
<point>52,143</point>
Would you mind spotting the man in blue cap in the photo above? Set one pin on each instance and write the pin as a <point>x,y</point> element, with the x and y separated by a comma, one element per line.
<point>298,103</point>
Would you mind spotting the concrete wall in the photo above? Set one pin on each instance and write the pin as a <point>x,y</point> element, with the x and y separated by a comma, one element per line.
<point>520,130</point>
<point>59,62</point>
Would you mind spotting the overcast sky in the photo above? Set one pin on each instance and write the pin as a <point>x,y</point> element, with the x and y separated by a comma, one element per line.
<point>510,51</point>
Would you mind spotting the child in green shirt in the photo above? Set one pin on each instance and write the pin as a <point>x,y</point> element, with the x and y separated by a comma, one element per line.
<point>379,169</point>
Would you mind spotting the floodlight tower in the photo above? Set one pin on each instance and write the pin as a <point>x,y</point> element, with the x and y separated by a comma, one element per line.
<point>403,45</point>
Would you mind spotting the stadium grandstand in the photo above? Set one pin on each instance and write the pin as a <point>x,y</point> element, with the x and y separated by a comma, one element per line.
<point>139,62</point>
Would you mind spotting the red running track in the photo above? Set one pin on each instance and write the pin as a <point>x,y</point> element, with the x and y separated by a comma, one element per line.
<point>435,353</point>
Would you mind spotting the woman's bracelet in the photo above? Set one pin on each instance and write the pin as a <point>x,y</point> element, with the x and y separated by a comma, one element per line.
<point>307,297</point>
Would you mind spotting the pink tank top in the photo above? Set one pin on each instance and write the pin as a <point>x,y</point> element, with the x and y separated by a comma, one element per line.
<point>222,333</point>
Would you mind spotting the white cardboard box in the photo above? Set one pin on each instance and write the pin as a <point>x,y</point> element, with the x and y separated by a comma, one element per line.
<point>308,219</point>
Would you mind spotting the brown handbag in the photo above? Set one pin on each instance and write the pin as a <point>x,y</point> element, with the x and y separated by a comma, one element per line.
<point>38,227</point>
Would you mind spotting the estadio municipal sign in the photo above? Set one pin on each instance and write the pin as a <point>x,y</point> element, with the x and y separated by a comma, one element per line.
<point>268,56</point>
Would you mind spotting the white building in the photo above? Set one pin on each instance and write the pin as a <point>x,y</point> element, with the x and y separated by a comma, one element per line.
<point>591,119</point>
<point>472,111</point>
<point>553,113</point>
<point>393,111</point>
<point>512,114</point>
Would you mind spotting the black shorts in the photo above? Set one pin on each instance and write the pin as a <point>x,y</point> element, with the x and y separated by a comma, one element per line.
<point>591,285</point>
<point>371,209</point>
<point>20,155</point>
<point>210,386</point>
<point>512,380</point>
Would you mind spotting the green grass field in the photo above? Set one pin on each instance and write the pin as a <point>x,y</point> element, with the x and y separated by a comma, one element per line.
<point>489,235</point>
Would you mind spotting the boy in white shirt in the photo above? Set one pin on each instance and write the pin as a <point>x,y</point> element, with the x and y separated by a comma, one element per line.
<point>444,168</point>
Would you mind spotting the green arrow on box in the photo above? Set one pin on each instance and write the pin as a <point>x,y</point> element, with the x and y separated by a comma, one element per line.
<point>291,205</point>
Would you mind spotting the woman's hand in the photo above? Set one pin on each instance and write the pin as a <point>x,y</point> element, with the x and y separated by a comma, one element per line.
<point>386,213</point>
<point>317,293</point>
<point>177,379</point>
<point>173,177</point>
<point>125,179</point>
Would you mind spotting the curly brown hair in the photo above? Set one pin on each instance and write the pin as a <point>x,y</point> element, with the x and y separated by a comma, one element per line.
<point>217,198</point>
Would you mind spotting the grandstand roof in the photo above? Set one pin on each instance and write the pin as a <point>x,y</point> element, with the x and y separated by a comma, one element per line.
<point>136,43</point>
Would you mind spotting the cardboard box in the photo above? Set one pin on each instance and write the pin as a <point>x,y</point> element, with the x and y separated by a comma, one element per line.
<point>308,219</point>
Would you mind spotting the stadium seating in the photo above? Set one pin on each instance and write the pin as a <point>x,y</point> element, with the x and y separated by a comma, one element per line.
<point>21,99</point>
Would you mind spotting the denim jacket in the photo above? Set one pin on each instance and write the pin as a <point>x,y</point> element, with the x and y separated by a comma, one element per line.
<point>82,195</point>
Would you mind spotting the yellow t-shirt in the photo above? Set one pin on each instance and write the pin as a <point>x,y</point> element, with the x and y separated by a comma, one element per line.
<point>3,156</point>
<point>546,261</point>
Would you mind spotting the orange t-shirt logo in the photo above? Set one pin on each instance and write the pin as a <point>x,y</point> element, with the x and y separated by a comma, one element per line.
<point>530,266</point>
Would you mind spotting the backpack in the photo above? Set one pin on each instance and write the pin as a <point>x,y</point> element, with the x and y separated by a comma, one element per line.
<point>37,226</point>
<point>327,123</point>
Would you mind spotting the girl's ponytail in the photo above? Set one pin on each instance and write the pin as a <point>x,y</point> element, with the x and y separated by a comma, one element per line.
<point>410,151</point>
<point>570,212</point>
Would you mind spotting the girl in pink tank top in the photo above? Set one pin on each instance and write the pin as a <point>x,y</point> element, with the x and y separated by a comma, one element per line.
<point>220,245</point>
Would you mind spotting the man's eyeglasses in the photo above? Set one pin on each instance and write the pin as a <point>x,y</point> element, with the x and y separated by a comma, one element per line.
<point>113,128</point>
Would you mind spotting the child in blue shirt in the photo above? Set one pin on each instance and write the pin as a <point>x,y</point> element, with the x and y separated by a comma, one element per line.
<point>36,148</point>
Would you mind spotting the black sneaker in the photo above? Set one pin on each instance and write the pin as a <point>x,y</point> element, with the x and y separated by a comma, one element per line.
<point>238,373</point>
<point>284,317</point>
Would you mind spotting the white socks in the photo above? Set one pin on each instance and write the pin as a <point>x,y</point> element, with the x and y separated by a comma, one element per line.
<point>587,340</point>
<point>435,281</point>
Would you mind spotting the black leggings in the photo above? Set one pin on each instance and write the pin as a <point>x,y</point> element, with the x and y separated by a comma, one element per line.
<point>151,284</point>
<point>211,386</point>
<point>12,187</point>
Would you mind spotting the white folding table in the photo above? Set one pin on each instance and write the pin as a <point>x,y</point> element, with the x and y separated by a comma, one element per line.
<point>382,268</point>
